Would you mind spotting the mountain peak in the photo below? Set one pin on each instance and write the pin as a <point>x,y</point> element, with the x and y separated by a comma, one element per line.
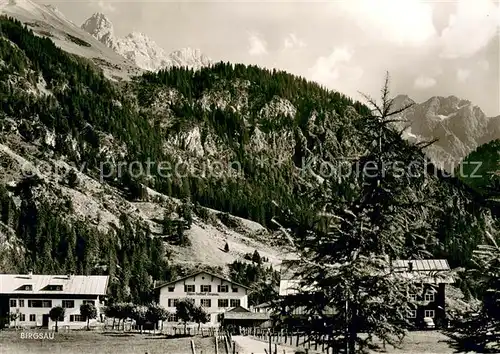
<point>190,57</point>
<point>100,27</point>
<point>141,49</point>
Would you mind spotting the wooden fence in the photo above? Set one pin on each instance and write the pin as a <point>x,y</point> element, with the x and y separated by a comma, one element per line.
<point>307,342</point>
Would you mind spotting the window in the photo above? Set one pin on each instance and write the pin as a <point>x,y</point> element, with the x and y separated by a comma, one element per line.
<point>76,318</point>
<point>429,313</point>
<point>223,303</point>
<point>411,314</point>
<point>22,317</point>
<point>54,288</point>
<point>234,302</point>
<point>40,303</point>
<point>21,303</point>
<point>235,289</point>
<point>92,302</point>
<point>68,304</point>
<point>13,303</point>
<point>32,318</point>
<point>27,287</point>
<point>413,297</point>
<point>172,318</point>
<point>222,288</point>
<point>190,300</point>
<point>189,288</point>
<point>172,302</point>
<point>206,303</point>
<point>171,289</point>
<point>206,288</point>
<point>429,297</point>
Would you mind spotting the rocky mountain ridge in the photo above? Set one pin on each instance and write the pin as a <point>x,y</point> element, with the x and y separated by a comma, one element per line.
<point>141,49</point>
<point>458,125</point>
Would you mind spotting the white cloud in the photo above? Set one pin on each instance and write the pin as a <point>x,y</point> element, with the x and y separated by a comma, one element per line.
<point>292,41</point>
<point>484,64</point>
<point>258,46</point>
<point>424,82</point>
<point>403,22</point>
<point>102,5</point>
<point>335,68</point>
<point>463,75</point>
<point>470,29</point>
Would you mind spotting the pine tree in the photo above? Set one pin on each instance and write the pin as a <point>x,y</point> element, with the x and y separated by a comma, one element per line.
<point>347,245</point>
<point>256,257</point>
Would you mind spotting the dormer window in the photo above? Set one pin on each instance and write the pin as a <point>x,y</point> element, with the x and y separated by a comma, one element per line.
<point>53,288</point>
<point>26,287</point>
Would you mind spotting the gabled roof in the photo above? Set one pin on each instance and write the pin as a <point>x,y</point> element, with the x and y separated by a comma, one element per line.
<point>422,264</point>
<point>238,309</point>
<point>430,271</point>
<point>198,273</point>
<point>74,284</point>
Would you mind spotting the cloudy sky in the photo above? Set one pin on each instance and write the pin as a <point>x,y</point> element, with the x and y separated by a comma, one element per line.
<point>429,47</point>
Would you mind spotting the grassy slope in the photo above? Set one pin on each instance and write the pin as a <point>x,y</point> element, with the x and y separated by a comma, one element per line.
<point>103,343</point>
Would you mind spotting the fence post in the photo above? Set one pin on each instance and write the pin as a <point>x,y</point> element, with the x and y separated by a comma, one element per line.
<point>297,342</point>
<point>192,347</point>
<point>234,347</point>
<point>270,339</point>
<point>275,348</point>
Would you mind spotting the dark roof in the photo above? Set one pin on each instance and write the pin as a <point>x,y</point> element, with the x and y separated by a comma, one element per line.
<point>198,273</point>
<point>246,316</point>
<point>238,309</point>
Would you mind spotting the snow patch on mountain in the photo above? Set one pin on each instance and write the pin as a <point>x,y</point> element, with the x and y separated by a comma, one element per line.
<point>141,49</point>
<point>48,21</point>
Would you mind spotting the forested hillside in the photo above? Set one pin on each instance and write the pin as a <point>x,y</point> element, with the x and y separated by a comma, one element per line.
<point>481,169</point>
<point>247,141</point>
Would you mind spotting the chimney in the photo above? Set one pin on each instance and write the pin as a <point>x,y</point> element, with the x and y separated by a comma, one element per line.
<point>410,266</point>
<point>30,273</point>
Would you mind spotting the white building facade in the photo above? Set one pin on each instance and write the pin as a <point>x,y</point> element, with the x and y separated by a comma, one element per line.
<point>212,292</point>
<point>31,297</point>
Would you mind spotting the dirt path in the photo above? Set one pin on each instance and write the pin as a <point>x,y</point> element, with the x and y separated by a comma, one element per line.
<point>248,345</point>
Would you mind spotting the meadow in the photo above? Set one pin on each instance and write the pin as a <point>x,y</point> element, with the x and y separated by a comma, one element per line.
<point>91,342</point>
